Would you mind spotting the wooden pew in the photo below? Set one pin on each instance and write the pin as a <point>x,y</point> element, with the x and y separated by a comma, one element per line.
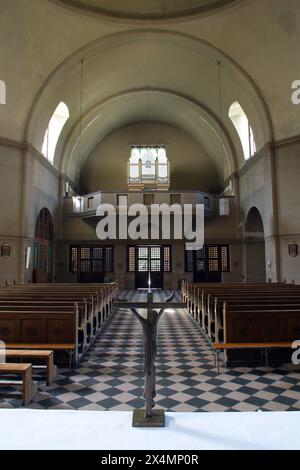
<point>33,310</point>
<point>23,371</point>
<point>266,347</point>
<point>42,355</point>
<point>191,291</point>
<point>209,297</point>
<point>246,313</point>
<point>226,305</point>
<point>70,348</point>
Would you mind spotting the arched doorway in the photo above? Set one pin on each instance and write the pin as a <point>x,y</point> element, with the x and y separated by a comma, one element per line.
<point>255,252</point>
<point>43,248</point>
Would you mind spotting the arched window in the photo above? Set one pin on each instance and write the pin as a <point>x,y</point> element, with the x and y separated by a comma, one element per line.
<point>243,128</point>
<point>56,124</point>
<point>148,167</point>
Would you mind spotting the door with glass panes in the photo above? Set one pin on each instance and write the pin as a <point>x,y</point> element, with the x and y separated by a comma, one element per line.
<point>149,260</point>
<point>208,264</point>
<point>91,263</point>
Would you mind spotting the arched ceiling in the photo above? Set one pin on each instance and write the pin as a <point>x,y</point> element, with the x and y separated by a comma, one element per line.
<point>259,37</point>
<point>134,106</point>
<point>155,75</point>
<point>145,9</point>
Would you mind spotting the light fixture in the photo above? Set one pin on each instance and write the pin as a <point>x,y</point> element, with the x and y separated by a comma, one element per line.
<point>6,250</point>
<point>293,250</point>
<point>80,109</point>
<point>219,63</point>
<point>27,257</point>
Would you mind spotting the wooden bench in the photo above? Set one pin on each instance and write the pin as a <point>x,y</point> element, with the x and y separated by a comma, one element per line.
<point>70,348</point>
<point>220,324</point>
<point>40,355</point>
<point>266,347</point>
<point>24,371</point>
<point>55,314</point>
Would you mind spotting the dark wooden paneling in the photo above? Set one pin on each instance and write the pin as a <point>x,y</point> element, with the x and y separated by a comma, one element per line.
<point>33,330</point>
<point>10,330</point>
<point>59,331</point>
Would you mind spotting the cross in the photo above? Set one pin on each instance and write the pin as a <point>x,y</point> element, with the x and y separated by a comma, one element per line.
<point>149,417</point>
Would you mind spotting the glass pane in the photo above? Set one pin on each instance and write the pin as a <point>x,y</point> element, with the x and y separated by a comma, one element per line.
<point>143,252</point>
<point>131,259</point>
<point>97,266</point>
<point>155,252</point>
<point>224,259</point>
<point>74,260</point>
<point>167,259</point>
<point>200,265</point>
<point>143,265</point>
<point>85,253</point>
<point>189,261</point>
<point>155,265</point>
<point>85,266</point>
<point>201,254</point>
<point>109,268</point>
<point>213,252</point>
<point>213,265</point>
<point>97,253</point>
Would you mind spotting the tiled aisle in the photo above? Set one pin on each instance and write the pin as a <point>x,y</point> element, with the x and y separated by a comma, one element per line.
<point>110,376</point>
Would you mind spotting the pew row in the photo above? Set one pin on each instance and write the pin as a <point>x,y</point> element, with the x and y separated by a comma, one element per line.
<point>41,356</point>
<point>246,314</point>
<point>67,316</point>
<point>11,374</point>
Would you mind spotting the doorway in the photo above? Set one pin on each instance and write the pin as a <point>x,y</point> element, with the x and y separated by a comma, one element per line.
<point>43,248</point>
<point>149,260</point>
<point>91,263</point>
<point>255,252</point>
<point>208,264</point>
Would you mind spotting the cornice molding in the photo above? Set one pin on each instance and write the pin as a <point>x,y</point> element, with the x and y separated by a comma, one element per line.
<point>27,147</point>
<point>290,141</point>
<point>270,146</point>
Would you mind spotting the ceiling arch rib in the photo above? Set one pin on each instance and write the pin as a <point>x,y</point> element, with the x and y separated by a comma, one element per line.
<point>156,59</point>
<point>143,10</point>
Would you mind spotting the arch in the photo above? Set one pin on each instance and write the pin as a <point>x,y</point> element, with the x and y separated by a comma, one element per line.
<point>195,118</point>
<point>54,129</point>
<point>254,247</point>
<point>171,12</point>
<point>243,128</point>
<point>43,247</point>
<point>57,84</point>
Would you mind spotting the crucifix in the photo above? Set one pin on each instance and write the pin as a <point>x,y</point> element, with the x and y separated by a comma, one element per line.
<point>149,416</point>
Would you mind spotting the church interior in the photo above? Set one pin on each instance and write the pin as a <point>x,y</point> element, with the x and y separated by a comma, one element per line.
<point>142,103</point>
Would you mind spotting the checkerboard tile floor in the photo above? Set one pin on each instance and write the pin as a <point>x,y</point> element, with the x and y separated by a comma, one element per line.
<point>110,376</point>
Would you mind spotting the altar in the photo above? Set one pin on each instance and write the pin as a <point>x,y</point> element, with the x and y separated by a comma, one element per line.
<point>25,429</point>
